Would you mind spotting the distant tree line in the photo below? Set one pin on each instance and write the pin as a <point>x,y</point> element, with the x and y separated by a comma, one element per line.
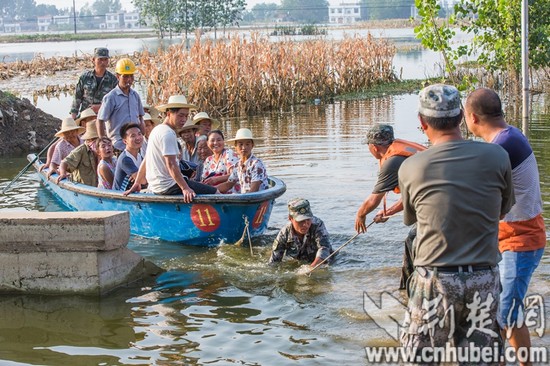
<point>184,16</point>
<point>25,10</point>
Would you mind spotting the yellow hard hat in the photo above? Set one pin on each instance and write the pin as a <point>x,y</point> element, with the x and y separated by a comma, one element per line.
<point>125,66</point>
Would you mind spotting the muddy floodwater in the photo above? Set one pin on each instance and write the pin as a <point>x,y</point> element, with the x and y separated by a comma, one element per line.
<point>223,306</point>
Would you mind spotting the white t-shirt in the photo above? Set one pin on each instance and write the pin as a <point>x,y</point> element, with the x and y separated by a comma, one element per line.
<point>162,142</point>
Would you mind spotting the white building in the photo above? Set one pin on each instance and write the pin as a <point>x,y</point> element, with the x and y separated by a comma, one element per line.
<point>114,20</point>
<point>12,27</point>
<point>44,23</point>
<point>345,13</point>
<point>131,20</point>
<point>62,19</point>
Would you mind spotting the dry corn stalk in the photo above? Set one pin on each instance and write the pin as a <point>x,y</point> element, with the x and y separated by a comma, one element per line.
<point>248,75</point>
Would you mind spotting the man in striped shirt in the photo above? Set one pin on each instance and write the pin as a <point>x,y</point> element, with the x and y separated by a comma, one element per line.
<point>522,234</point>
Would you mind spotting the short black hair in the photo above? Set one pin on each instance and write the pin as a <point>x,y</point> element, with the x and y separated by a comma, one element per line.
<point>126,127</point>
<point>443,123</point>
<point>216,131</point>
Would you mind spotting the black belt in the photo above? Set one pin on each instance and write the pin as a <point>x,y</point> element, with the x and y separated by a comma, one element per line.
<point>458,269</point>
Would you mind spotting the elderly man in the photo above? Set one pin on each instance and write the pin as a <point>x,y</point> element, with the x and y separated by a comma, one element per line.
<point>206,124</point>
<point>522,233</point>
<point>121,105</point>
<point>190,142</point>
<point>93,85</point>
<point>456,199</point>
<point>82,161</point>
<point>390,153</point>
<point>161,167</point>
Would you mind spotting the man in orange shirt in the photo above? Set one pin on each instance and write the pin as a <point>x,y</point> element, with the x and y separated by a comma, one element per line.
<point>391,153</point>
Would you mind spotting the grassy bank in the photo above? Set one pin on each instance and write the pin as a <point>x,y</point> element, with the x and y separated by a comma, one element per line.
<point>61,37</point>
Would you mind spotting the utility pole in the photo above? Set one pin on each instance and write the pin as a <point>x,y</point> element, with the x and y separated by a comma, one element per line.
<point>74,16</point>
<point>525,65</point>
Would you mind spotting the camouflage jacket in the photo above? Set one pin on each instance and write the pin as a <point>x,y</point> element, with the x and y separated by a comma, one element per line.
<point>87,91</point>
<point>316,243</point>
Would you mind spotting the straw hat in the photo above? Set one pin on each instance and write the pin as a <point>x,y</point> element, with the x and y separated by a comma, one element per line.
<point>189,125</point>
<point>88,112</point>
<point>147,117</point>
<point>201,116</point>
<point>176,101</point>
<point>68,124</point>
<point>91,131</point>
<point>244,134</point>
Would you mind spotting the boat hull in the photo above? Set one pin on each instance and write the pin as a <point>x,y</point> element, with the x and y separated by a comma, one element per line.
<point>208,221</point>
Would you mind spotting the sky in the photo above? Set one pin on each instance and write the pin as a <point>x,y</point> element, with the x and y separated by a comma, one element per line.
<point>126,4</point>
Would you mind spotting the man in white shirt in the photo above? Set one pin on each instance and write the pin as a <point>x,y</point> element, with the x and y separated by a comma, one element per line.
<point>160,166</point>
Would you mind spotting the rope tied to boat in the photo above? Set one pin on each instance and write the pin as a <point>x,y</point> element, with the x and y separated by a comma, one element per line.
<point>246,232</point>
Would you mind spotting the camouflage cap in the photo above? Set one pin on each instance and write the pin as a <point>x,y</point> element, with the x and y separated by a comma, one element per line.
<point>439,101</point>
<point>101,52</point>
<point>380,134</point>
<point>299,209</point>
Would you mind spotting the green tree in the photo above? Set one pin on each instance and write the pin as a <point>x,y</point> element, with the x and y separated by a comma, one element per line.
<point>159,14</point>
<point>387,9</point>
<point>306,11</point>
<point>229,12</point>
<point>496,29</point>
<point>43,9</point>
<point>102,7</point>
<point>265,11</point>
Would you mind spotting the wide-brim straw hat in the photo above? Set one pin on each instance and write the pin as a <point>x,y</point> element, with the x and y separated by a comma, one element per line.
<point>68,124</point>
<point>189,125</point>
<point>88,112</point>
<point>91,131</point>
<point>201,116</point>
<point>148,117</point>
<point>176,101</point>
<point>245,134</point>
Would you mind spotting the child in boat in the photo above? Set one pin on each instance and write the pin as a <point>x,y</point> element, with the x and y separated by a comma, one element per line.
<point>107,163</point>
<point>250,171</point>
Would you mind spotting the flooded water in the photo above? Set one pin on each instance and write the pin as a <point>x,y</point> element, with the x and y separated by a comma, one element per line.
<point>224,306</point>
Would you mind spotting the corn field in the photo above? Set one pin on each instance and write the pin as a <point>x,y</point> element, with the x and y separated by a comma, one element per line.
<point>246,76</point>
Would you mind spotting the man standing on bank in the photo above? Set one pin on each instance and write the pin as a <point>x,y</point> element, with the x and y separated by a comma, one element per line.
<point>121,105</point>
<point>93,85</point>
<point>390,153</point>
<point>522,235</point>
<point>455,191</point>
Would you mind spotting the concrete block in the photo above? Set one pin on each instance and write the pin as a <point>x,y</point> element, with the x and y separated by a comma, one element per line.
<point>63,231</point>
<point>9,272</point>
<point>68,252</point>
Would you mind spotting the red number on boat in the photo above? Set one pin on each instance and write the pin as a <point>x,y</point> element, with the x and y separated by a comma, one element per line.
<point>260,214</point>
<point>205,217</point>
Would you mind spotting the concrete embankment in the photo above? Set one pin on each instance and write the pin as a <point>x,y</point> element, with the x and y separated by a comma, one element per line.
<point>68,252</point>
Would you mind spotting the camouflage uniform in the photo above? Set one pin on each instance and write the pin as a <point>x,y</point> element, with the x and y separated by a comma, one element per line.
<point>88,92</point>
<point>452,308</point>
<point>315,244</point>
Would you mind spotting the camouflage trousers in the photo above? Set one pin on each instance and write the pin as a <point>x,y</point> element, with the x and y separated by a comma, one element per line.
<point>457,310</point>
<point>407,267</point>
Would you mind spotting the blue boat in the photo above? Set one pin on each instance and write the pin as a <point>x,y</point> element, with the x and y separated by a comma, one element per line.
<point>207,221</point>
